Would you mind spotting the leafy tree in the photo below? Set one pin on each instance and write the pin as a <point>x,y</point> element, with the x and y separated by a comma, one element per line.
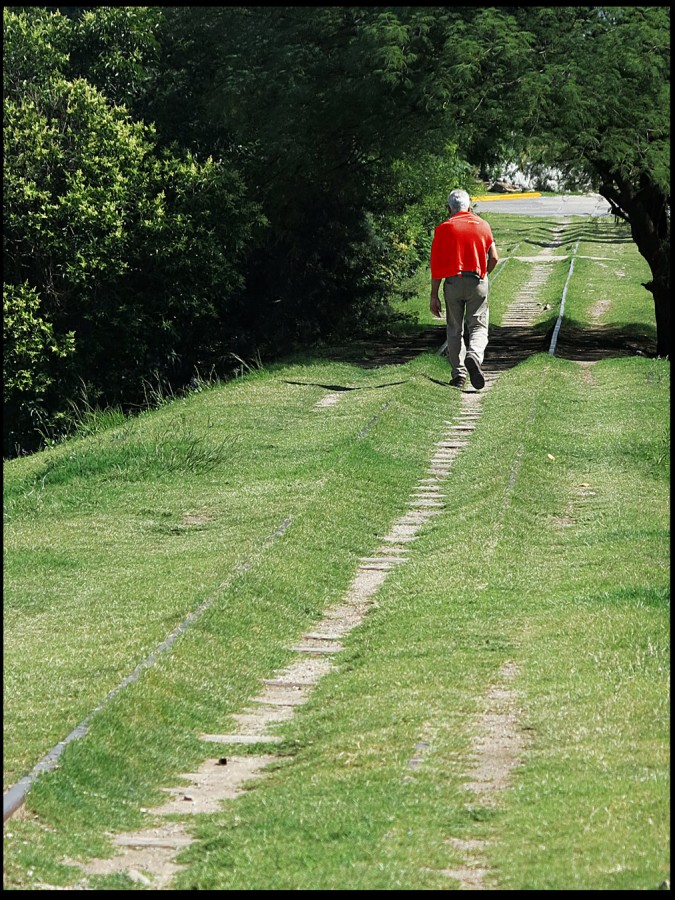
<point>599,82</point>
<point>116,49</point>
<point>326,112</point>
<point>126,254</point>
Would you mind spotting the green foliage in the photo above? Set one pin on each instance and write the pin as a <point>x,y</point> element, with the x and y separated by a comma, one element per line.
<point>329,114</point>
<point>116,49</point>
<point>601,93</point>
<point>27,337</point>
<point>29,348</point>
<point>183,184</point>
<point>420,191</point>
<point>35,47</point>
<point>134,251</point>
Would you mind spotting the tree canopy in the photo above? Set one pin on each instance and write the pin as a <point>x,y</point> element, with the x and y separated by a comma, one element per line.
<point>183,184</point>
<point>600,108</point>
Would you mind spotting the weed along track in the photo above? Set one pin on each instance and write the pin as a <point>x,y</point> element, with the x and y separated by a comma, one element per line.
<point>247,751</point>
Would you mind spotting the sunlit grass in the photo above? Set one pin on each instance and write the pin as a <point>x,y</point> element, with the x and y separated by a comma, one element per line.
<point>520,566</point>
<point>551,552</point>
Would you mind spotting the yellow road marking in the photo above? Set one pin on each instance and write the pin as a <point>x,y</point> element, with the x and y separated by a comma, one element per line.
<point>523,196</point>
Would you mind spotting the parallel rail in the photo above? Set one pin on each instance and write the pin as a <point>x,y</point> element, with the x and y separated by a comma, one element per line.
<point>505,353</point>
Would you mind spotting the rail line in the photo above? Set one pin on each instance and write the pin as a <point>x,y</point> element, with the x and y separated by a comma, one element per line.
<point>14,797</point>
<point>287,690</point>
<point>373,570</point>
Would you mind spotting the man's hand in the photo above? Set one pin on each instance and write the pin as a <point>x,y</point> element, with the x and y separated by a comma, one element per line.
<point>435,306</point>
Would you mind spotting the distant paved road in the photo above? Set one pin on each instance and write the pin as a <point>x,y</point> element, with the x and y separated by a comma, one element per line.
<point>562,205</point>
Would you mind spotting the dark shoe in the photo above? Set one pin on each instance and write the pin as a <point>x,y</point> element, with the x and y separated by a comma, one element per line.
<point>475,373</point>
<point>459,382</point>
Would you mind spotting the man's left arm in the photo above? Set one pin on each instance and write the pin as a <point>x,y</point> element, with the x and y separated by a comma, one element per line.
<point>492,257</point>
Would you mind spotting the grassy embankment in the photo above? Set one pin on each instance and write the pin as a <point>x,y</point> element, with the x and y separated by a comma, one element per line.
<point>551,555</point>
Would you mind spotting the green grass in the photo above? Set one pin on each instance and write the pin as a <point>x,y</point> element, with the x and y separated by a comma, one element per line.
<point>201,485</point>
<point>600,294</point>
<point>495,578</point>
<point>551,552</point>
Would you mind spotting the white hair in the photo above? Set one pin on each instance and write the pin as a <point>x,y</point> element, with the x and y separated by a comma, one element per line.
<point>458,201</point>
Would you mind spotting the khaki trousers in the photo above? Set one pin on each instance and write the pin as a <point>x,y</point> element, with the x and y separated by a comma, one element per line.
<point>467,314</point>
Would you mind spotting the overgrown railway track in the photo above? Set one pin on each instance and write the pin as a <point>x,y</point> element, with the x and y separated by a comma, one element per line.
<point>510,344</point>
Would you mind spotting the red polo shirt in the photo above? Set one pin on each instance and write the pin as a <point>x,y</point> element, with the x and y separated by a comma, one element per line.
<point>460,244</point>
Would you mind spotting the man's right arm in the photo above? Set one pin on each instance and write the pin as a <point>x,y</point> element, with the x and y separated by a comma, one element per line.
<point>435,300</point>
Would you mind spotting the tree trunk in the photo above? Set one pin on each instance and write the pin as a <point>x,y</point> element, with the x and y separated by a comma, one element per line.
<point>661,294</point>
<point>647,209</point>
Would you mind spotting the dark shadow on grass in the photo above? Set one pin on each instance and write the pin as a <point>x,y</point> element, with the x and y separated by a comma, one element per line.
<point>385,349</point>
<point>342,387</point>
<point>507,346</point>
<point>584,343</point>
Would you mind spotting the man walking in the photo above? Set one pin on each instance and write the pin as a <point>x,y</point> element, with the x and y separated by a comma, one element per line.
<point>463,252</point>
